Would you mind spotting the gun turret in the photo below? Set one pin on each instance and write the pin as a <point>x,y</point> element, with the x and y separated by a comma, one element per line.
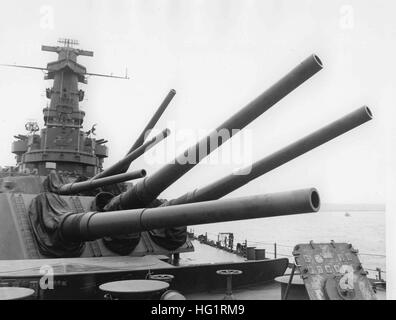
<point>229,183</point>
<point>95,225</point>
<point>144,192</point>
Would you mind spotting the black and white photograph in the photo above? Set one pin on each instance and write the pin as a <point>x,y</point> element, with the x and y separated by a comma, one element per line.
<point>219,151</point>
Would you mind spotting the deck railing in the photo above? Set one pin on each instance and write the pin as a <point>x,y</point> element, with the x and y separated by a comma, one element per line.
<point>276,250</point>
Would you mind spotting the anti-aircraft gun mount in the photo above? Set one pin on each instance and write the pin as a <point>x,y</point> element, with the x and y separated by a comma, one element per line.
<point>73,212</point>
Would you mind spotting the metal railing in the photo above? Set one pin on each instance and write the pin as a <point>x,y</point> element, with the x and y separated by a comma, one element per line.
<point>272,248</point>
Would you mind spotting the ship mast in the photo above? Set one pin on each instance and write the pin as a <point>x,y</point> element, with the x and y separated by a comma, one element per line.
<point>62,144</point>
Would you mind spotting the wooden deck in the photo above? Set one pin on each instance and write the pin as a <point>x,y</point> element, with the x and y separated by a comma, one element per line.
<point>79,266</point>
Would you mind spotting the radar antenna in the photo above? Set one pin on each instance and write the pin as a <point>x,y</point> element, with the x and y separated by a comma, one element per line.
<point>32,127</point>
<point>68,45</point>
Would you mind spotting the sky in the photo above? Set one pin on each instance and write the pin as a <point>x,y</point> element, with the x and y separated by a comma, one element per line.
<point>218,55</point>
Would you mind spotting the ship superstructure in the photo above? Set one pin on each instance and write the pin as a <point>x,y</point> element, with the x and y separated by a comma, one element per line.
<point>62,144</point>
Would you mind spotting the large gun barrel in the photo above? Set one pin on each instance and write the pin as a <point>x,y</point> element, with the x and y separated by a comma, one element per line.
<point>144,192</point>
<point>96,225</point>
<point>138,148</point>
<point>153,121</point>
<point>236,180</point>
<point>76,187</point>
<point>124,163</point>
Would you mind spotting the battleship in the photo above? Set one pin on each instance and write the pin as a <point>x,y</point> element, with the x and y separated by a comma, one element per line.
<point>73,228</point>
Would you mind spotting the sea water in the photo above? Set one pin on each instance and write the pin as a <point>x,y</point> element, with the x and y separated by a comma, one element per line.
<point>364,230</point>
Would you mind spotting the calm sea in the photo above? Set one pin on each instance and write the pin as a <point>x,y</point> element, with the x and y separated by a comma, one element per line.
<point>364,230</point>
